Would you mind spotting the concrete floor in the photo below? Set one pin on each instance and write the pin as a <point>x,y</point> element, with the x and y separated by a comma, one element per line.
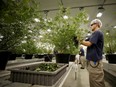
<point>81,79</point>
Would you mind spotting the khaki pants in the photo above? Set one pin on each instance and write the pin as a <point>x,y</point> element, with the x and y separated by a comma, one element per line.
<point>83,61</point>
<point>96,74</point>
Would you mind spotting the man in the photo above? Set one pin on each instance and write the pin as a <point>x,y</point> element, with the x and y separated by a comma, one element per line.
<point>95,45</point>
<point>82,58</point>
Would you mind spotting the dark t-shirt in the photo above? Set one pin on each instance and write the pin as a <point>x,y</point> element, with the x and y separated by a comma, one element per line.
<point>94,52</point>
<point>81,52</point>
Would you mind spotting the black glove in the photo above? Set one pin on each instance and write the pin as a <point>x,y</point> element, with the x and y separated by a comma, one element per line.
<point>76,42</point>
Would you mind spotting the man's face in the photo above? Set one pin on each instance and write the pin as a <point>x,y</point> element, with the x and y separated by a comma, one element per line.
<point>93,26</point>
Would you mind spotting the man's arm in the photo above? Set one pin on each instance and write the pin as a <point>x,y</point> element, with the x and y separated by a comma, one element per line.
<point>86,43</point>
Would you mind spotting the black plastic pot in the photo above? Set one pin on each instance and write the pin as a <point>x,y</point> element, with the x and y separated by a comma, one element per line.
<point>12,57</point>
<point>72,58</point>
<point>62,58</point>
<point>18,55</point>
<point>28,56</point>
<point>111,58</point>
<point>39,56</point>
<point>4,56</point>
<point>106,57</point>
<point>48,57</point>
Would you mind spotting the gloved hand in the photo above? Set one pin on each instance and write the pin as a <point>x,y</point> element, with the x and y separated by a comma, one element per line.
<point>76,42</point>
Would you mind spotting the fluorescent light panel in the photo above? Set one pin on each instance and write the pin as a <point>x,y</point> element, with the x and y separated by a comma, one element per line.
<point>99,14</point>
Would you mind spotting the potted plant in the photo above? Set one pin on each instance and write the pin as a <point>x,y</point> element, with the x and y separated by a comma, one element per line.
<point>48,54</point>
<point>110,45</point>
<point>15,16</point>
<point>29,48</point>
<point>40,53</point>
<point>17,51</point>
<point>63,29</point>
<point>48,57</point>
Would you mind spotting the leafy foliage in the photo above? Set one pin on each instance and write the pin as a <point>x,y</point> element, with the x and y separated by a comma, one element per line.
<point>110,41</point>
<point>47,67</point>
<point>64,30</point>
<point>17,25</point>
<point>16,19</point>
<point>29,47</point>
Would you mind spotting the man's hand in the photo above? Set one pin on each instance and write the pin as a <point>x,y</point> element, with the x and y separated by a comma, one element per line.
<point>81,41</point>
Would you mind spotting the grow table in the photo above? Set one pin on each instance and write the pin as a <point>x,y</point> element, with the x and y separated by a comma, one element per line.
<point>46,78</point>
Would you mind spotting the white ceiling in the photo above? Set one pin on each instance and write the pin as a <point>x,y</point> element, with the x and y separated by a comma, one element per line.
<point>91,7</point>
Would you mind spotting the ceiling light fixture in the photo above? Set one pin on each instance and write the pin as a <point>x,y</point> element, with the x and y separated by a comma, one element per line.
<point>100,11</point>
<point>37,20</point>
<point>46,13</point>
<point>114,26</point>
<point>81,8</point>
<point>49,30</point>
<point>24,41</point>
<point>65,17</point>
<point>99,14</point>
